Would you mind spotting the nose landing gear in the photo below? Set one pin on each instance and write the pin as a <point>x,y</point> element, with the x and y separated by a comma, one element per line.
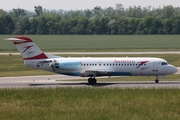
<point>157,81</point>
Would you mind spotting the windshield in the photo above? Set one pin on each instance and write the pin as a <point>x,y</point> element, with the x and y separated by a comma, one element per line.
<point>164,63</point>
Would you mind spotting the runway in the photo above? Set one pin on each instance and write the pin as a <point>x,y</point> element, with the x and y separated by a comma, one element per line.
<point>54,81</point>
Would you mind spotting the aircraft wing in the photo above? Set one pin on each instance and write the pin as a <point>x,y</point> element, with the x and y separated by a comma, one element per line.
<point>95,73</point>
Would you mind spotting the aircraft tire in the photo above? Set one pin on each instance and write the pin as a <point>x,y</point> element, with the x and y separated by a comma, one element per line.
<point>92,81</point>
<point>156,81</point>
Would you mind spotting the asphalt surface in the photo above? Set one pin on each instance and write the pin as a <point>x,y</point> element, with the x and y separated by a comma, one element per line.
<point>69,81</point>
<point>63,81</point>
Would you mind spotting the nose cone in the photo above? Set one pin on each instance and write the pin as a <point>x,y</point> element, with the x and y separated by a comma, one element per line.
<point>170,69</point>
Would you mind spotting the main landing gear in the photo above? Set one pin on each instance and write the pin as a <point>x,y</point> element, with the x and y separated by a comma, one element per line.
<point>156,81</point>
<point>92,81</point>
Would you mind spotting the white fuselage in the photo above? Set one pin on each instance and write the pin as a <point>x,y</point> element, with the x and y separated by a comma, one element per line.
<point>105,66</point>
<point>91,67</point>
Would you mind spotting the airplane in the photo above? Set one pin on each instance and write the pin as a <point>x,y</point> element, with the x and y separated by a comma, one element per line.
<point>91,67</point>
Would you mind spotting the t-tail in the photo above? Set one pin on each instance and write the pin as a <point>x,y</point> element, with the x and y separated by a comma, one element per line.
<point>32,55</point>
<point>27,48</point>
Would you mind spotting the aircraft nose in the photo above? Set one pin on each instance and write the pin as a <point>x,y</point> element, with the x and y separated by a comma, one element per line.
<point>170,69</point>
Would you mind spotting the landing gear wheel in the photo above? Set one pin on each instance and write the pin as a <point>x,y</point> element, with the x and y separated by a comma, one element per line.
<point>92,81</point>
<point>156,81</point>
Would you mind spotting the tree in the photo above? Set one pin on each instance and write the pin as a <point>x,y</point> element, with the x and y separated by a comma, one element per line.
<point>17,14</point>
<point>82,26</point>
<point>2,31</point>
<point>133,20</point>
<point>120,9</point>
<point>38,10</point>
<point>112,26</point>
<point>6,24</point>
<point>150,25</point>
<point>88,13</point>
<point>42,26</point>
<point>33,27</point>
<point>97,11</point>
<point>176,25</point>
<point>23,26</point>
<point>133,25</point>
<point>168,11</point>
<point>135,12</point>
<point>123,26</point>
<point>2,12</point>
<point>167,26</point>
<point>100,25</point>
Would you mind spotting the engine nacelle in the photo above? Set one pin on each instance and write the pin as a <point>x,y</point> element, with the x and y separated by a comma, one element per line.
<point>68,65</point>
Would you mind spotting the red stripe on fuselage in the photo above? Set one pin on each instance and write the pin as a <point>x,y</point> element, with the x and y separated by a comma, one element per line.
<point>40,56</point>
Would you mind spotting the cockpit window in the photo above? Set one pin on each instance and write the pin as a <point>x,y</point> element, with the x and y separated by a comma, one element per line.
<point>164,63</point>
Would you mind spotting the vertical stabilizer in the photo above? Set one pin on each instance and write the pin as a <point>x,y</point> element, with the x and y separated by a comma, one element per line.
<point>27,48</point>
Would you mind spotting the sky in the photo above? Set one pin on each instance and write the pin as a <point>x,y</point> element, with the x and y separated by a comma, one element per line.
<point>82,4</point>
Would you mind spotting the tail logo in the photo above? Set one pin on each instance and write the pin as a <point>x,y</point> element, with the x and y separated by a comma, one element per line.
<point>26,48</point>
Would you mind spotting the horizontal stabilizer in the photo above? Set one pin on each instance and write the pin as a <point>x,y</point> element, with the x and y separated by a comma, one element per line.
<point>15,39</point>
<point>19,40</point>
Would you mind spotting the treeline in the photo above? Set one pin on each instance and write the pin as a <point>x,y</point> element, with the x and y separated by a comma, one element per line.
<point>133,20</point>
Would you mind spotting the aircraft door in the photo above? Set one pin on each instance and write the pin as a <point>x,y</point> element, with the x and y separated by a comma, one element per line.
<point>155,67</point>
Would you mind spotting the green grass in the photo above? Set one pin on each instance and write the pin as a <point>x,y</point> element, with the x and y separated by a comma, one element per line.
<point>89,104</point>
<point>100,42</point>
<point>14,66</point>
